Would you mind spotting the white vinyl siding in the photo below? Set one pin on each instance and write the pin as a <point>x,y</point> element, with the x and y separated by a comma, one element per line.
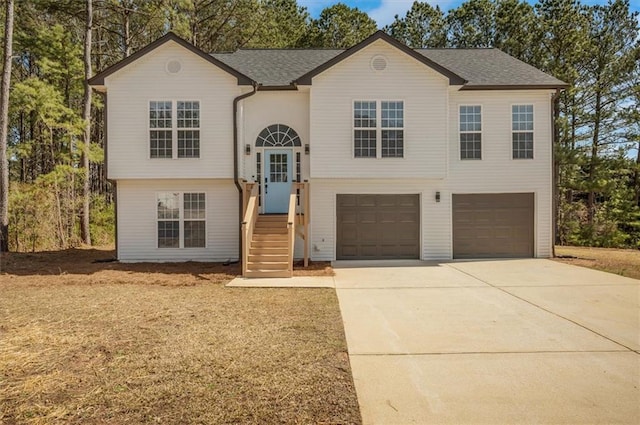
<point>497,172</point>
<point>129,93</point>
<point>138,220</point>
<point>522,131</point>
<point>425,98</point>
<point>265,108</point>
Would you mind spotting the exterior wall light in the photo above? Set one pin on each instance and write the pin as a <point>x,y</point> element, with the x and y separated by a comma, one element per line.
<point>247,149</point>
<point>437,196</point>
<point>306,149</point>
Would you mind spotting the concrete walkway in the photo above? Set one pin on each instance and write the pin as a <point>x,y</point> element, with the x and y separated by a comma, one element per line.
<point>492,342</point>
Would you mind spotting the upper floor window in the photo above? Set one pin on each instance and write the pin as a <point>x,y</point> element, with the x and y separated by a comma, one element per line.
<point>392,129</point>
<point>378,120</point>
<point>471,132</point>
<point>522,131</point>
<point>181,220</point>
<point>169,121</point>
<point>161,129</point>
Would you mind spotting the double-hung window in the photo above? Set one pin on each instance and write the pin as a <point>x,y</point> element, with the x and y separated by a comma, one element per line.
<point>471,132</point>
<point>365,129</point>
<point>161,129</point>
<point>181,220</point>
<point>378,120</point>
<point>522,131</point>
<point>174,121</point>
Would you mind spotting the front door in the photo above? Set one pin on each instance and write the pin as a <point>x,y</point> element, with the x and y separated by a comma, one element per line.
<point>277,180</point>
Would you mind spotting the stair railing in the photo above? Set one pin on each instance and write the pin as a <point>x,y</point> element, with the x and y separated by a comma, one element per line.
<point>291,225</point>
<point>249,222</point>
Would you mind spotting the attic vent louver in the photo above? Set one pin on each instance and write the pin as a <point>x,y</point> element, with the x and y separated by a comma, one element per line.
<point>174,66</point>
<point>379,63</point>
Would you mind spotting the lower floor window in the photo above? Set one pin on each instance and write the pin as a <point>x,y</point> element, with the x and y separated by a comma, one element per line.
<point>181,220</point>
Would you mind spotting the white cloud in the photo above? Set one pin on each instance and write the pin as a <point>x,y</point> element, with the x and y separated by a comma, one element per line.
<point>384,14</point>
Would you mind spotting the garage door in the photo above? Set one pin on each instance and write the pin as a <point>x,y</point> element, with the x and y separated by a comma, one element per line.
<point>378,227</point>
<point>493,225</point>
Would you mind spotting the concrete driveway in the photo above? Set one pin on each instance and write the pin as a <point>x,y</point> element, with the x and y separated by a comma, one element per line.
<point>492,342</point>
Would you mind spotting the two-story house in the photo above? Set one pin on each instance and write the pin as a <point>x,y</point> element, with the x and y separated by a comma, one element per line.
<point>423,154</point>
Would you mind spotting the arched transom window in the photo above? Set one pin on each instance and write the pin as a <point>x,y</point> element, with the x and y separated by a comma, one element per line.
<point>278,135</point>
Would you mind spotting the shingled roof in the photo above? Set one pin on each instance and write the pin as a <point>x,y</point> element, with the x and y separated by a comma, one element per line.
<point>491,68</point>
<point>471,68</point>
<point>481,68</point>
<point>276,67</point>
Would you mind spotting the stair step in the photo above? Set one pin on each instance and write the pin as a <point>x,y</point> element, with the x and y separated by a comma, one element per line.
<point>273,218</point>
<point>270,244</point>
<point>260,258</point>
<point>270,231</point>
<point>268,250</point>
<point>270,237</point>
<point>267,273</point>
<point>270,265</point>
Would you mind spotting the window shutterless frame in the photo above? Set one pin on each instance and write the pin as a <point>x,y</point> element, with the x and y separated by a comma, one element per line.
<point>469,126</point>
<point>190,134</point>
<point>181,218</point>
<point>371,129</point>
<point>522,135</point>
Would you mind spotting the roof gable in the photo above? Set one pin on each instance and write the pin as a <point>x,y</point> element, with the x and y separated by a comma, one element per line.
<point>98,80</point>
<point>454,79</point>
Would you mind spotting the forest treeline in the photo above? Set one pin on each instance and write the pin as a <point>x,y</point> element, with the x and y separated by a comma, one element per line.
<point>58,195</point>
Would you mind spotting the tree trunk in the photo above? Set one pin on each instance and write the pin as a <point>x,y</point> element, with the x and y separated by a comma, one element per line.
<point>4,125</point>
<point>126,24</point>
<point>591,197</point>
<point>85,233</point>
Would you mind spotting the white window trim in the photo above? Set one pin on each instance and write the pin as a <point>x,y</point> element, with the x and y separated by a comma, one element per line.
<point>181,219</point>
<point>378,128</point>
<point>533,131</point>
<point>459,132</point>
<point>174,128</point>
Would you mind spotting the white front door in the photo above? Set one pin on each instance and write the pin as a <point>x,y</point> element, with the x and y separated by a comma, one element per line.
<point>277,180</point>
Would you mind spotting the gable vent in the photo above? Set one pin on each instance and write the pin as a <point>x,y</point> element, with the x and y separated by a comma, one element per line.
<point>174,66</point>
<point>379,63</point>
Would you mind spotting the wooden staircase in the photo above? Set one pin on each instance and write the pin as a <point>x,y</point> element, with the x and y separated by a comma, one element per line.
<point>269,247</point>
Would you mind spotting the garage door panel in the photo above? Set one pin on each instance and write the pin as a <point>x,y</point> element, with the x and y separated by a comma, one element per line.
<point>365,200</point>
<point>493,225</point>
<point>388,226</point>
<point>347,201</point>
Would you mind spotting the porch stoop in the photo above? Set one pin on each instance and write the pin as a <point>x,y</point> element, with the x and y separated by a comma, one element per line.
<point>269,247</point>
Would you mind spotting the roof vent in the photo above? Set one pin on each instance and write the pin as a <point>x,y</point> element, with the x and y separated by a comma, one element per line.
<point>174,66</point>
<point>379,63</point>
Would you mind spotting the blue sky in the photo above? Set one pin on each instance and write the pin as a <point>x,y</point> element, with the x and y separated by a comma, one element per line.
<point>383,11</point>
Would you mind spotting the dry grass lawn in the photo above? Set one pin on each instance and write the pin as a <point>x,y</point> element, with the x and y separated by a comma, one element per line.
<point>625,262</point>
<point>95,343</point>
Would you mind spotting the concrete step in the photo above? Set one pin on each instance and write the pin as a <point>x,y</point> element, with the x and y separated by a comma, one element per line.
<point>267,273</point>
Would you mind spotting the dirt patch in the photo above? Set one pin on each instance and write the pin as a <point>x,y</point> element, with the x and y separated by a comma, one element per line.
<point>624,262</point>
<point>92,343</point>
<point>98,266</point>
